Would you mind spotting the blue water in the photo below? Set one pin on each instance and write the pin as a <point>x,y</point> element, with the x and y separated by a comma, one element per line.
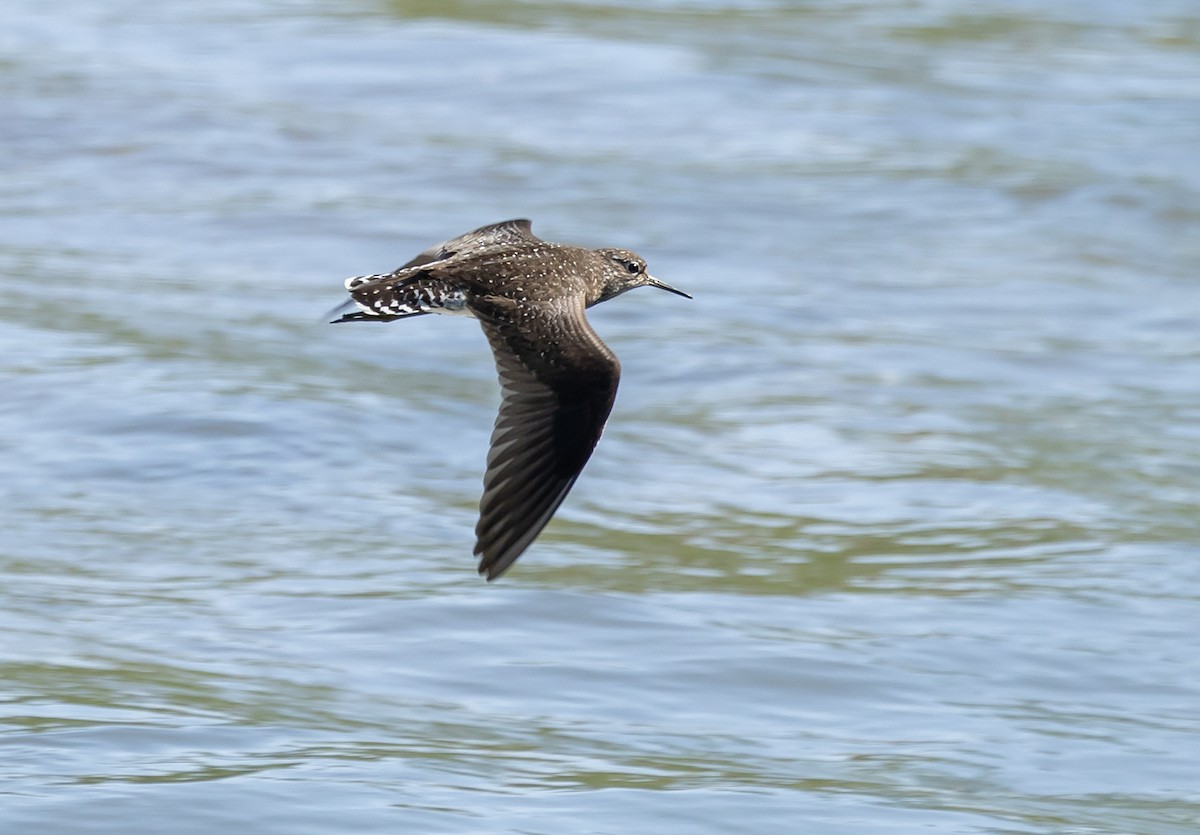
<point>894,528</point>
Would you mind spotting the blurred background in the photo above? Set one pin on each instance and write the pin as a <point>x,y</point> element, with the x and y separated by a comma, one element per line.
<point>894,528</point>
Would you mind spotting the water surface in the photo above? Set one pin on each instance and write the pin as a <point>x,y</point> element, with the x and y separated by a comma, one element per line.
<point>894,528</point>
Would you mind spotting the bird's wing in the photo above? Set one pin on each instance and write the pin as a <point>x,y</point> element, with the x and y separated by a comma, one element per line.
<point>496,234</point>
<point>558,382</point>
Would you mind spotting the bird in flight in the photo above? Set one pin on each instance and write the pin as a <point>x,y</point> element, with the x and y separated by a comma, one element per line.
<point>558,380</point>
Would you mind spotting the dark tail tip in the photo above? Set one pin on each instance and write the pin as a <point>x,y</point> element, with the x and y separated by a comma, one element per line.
<point>358,316</point>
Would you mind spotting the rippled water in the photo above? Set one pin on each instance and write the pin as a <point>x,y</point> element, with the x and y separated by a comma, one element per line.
<point>894,528</point>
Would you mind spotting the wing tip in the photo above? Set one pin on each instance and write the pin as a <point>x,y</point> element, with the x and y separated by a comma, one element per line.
<point>491,568</point>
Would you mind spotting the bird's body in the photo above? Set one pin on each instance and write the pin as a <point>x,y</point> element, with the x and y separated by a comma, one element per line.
<point>558,379</point>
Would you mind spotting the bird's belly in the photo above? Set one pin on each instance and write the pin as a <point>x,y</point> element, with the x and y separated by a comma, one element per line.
<point>416,298</point>
<point>452,304</point>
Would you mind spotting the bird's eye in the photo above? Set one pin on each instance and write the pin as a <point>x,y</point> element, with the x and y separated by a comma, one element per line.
<point>633,267</point>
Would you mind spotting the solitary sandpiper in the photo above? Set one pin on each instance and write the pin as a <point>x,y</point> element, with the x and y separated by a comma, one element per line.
<point>558,379</point>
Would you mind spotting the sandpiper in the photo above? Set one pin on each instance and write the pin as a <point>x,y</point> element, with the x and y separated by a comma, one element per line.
<point>558,379</point>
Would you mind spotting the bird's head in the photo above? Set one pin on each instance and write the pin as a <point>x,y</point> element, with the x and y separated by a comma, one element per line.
<point>625,270</point>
